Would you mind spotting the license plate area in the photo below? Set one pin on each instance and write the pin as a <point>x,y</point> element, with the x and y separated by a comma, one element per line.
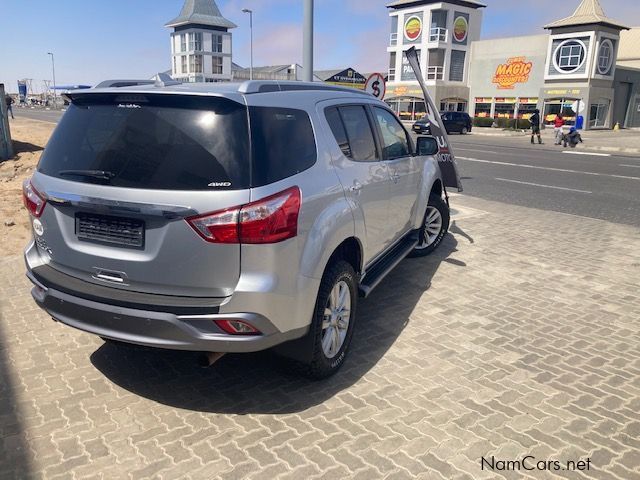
<point>109,230</point>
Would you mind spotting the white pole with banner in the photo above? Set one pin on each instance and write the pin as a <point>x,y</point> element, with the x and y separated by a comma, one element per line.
<point>445,157</point>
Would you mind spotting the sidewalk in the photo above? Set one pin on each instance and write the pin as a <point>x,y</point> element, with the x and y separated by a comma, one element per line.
<point>621,141</point>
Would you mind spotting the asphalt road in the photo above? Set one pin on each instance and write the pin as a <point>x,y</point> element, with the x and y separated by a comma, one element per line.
<point>513,171</point>
<point>51,116</point>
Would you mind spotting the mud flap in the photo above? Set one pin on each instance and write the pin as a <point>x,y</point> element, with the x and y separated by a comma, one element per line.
<point>445,157</point>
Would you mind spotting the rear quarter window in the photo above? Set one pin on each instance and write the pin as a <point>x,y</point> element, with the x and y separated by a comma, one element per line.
<point>283,143</point>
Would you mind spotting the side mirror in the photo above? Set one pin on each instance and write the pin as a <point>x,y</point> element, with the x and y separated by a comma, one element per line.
<point>427,146</point>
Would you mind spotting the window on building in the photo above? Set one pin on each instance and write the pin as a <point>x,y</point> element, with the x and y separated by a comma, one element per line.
<point>395,143</point>
<point>217,65</point>
<point>598,113</point>
<point>183,42</point>
<point>183,64</point>
<point>505,108</point>
<point>456,72</point>
<point>605,57</point>
<point>569,56</point>
<point>393,39</point>
<point>195,42</point>
<point>195,63</point>
<point>483,109</point>
<point>392,66</point>
<point>216,43</point>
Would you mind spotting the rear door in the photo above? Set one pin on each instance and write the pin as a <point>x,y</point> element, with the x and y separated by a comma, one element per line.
<point>122,172</point>
<point>404,171</point>
<point>362,172</point>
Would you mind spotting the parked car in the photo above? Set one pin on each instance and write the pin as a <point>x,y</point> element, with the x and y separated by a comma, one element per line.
<point>459,122</point>
<point>225,218</point>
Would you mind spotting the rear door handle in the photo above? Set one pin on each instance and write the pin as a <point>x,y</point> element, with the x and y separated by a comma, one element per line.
<point>395,177</point>
<point>356,187</point>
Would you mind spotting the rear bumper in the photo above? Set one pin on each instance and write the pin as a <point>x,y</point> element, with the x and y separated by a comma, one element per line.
<point>153,328</point>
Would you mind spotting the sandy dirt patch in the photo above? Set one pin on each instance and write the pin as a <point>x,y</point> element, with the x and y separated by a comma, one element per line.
<point>29,139</point>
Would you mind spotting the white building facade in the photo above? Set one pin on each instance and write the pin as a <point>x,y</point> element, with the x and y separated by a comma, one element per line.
<point>442,32</point>
<point>201,43</point>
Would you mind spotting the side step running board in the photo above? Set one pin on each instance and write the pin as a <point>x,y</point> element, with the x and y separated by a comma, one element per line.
<point>382,267</point>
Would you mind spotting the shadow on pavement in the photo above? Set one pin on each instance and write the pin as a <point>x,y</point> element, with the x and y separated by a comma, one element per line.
<point>25,147</point>
<point>261,382</point>
<point>14,452</point>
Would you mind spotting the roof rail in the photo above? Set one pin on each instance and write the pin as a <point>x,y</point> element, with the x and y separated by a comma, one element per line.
<point>266,86</point>
<point>123,83</point>
<point>158,80</point>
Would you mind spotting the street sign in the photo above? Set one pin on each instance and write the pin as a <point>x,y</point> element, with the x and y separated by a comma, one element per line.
<point>376,86</point>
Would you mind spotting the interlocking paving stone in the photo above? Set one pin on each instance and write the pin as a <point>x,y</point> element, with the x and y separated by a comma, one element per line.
<point>519,337</point>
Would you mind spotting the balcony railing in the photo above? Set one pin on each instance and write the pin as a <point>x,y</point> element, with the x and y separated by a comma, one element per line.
<point>391,74</point>
<point>438,34</point>
<point>393,39</point>
<point>435,73</point>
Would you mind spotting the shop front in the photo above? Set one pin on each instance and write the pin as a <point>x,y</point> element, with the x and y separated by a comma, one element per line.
<point>407,102</point>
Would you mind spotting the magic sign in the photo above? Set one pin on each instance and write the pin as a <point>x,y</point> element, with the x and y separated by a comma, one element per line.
<point>516,70</point>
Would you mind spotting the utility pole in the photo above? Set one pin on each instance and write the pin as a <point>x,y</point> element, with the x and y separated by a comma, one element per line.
<point>307,49</point>
<point>53,66</point>
<point>250,12</point>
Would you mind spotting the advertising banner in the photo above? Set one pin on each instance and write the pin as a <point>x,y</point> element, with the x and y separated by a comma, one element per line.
<point>22,90</point>
<point>460,28</point>
<point>446,159</point>
<point>413,28</point>
<point>407,73</point>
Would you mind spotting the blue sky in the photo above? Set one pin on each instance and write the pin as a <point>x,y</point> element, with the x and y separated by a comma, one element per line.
<point>98,39</point>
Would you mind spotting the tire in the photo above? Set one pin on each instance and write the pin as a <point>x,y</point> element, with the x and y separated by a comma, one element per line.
<point>437,215</point>
<point>464,131</point>
<point>327,357</point>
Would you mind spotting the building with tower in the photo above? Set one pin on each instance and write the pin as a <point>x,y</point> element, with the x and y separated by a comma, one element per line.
<point>442,32</point>
<point>201,43</point>
<point>584,65</point>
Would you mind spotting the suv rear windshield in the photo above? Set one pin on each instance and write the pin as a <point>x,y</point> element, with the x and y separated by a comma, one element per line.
<point>151,141</point>
<point>179,142</point>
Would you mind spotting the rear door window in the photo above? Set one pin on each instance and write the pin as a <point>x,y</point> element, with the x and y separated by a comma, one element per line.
<point>283,143</point>
<point>161,142</point>
<point>356,126</point>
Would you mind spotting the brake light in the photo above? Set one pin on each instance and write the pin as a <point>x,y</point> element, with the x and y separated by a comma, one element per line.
<point>33,201</point>
<point>237,327</point>
<point>269,220</point>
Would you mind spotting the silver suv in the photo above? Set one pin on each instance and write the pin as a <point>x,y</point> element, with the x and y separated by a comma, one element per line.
<point>228,218</point>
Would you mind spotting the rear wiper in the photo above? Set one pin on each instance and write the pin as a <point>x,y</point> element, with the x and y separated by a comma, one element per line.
<point>99,174</point>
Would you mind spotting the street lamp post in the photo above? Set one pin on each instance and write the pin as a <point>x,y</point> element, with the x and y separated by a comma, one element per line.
<point>307,41</point>
<point>53,67</point>
<point>250,12</point>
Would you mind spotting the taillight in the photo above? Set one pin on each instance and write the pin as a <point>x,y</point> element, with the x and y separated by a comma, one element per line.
<point>32,200</point>
<point>237,327</point>
<point>217,227</point>
<point>270,220</point>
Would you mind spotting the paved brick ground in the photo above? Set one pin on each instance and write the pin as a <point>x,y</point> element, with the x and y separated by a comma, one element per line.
<point>520,338</point>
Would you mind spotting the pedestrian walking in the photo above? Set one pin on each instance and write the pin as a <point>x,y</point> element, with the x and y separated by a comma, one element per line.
<point>9,101</point>
<point>558,123</point>
<point>535,126</point>
<point>572,138</point>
